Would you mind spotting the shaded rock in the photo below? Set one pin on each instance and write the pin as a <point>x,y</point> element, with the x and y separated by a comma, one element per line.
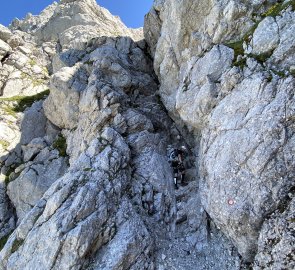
<point>29,129</point>
<point>4,49</point>
<point>34,147</point>
<point>276,241</point>
<point>7,219</point>
<point>236,100</point>
<point>35,178</point>
<point>199,92</point>
<point>242,151</point>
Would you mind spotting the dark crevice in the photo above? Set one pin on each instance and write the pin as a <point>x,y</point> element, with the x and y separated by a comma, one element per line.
<point>5,57</point>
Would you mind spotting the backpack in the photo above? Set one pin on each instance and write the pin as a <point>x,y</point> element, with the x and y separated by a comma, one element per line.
<point>173,156</point>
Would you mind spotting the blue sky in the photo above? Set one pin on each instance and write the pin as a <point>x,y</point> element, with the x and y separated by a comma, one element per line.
<point>131,11</point>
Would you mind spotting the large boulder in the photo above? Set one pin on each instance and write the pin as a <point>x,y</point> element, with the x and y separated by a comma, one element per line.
<point>44,166</point>
<point>246,154</point>
<point>61,108</point>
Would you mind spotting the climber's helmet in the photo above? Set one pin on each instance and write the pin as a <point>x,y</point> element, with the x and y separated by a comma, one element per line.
<point>183,148</point>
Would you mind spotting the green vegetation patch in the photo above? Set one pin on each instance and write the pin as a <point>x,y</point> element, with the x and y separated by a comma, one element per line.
<point>89,170</point>
<point>3,241</point>
<point>45,70</point>
<point>61,145</point>
<point>8,110</point>
<point>9,173</point>
<point>32,62</point>
<point>37,82</point>
<point>4,144</point>
<point>16,244</point>
<point>277,8</point>
<point>261,58</point>
<point>237,46</point>
<point>279,73</point>
<point>20,103</point>
<point>240,63</point>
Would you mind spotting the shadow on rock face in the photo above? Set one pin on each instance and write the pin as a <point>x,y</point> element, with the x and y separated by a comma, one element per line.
<point>29,168</point>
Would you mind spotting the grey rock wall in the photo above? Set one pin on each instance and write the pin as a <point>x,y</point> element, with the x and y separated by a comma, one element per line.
<point>276,239</point>
<point>83,210</point>
<point>225,70</point>
<point>85,181</point>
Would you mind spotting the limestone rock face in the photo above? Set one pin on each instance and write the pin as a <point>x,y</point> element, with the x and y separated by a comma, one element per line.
<point>244,150</point>
<point>275,38</point>
<point>226,69</point>
<point>85,180</point>
<point>7,219</point>
<point>62,105</point>
<point>276,240</point>
<point>35,176</point>
<point>184,29</point>
<point>22,68</point>
<point>95,186</point>
<point>82,189</point>
<point>72,23</point>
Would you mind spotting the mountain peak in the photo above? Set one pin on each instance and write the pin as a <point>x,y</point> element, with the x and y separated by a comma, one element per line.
<point>58,19</point>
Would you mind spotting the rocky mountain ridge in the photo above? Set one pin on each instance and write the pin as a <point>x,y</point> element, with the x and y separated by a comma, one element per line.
<point>85,180</point>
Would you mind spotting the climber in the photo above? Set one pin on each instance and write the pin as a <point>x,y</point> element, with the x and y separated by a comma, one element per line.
<point>176,158</point>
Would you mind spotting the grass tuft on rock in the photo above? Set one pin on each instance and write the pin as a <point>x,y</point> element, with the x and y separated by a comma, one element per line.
<point>279,73</point>
<point>32,62</point>
<point>277,8</point>
<point>9,173</point>
<point>237,46</point>
<point>3,241</point>
<point>16,244</point>
<point>261,58</point>
<point>4,144</point>
<point>61,145</point>
<point>20,103</point>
